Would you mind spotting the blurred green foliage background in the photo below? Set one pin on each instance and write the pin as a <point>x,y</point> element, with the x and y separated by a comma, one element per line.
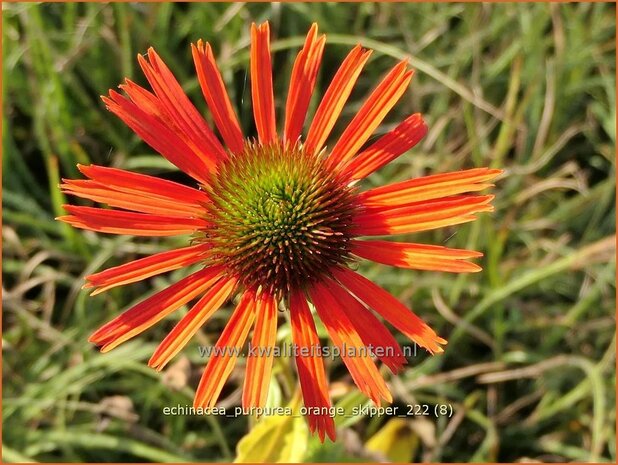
<point>530,365</point>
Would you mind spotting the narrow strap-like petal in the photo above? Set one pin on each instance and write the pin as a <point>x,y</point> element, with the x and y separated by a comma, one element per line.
<point>391,310</point>
<point>139,184</point>
<point>417,256</point>
<point>198,138</point>
<point>137,201</point>
<point>146,100</point>
<point>373,333</point>
<point>260,362</point>
<point>422,216</point>
<point>429,187</point>
<point>138,192</point>
<point>179,110</point>
<point>335,97</point>
<point>192,322</point>
<point>146,267</point>
<point>262,84</point>
<point>353,351</point>
<point>153,309</point>
<point>388,147</point>
<point>371,114</point>
<point>302,83</point>
<point>160,136</point>
<point>310,366</point>
<point>123,222</point>
<point>216,96</point>
<point>224,354</point>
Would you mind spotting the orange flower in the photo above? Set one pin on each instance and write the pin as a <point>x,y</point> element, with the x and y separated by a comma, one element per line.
<point>276,220</point>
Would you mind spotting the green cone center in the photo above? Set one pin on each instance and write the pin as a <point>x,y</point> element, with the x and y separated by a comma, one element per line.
<point>280,219</point>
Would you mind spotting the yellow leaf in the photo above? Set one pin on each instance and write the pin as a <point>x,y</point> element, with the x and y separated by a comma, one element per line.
<point>396,441</point>
<point>275,439</point>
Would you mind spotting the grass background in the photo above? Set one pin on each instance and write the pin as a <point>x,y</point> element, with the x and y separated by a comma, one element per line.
<point>530,366</point>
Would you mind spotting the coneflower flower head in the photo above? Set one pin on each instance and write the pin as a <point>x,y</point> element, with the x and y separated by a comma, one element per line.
<point>276,221</point>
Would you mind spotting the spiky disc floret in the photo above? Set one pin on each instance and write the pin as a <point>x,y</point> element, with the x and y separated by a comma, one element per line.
<point>279,218</point>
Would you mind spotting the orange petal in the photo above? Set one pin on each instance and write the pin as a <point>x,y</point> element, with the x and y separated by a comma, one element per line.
<point>259,366</point>
<point>391,309</point>
<point>216,96</point>
<point>139,202</point>
<point>225,353</point>
<point>371,330</point>
<point>144,99</point>
<point>146,267</point>
<point>178,109</point>
<point>153,309</point>
<point>353,351</point>
<point>371,114</point>
<point>165,113</point>
<point>429,187</point>
<point>423,216</point>
<point>191,322</point>
<point>335,97</point>
<point>159,136</point>
<point>387,148</point>
<point>122,222</point>
<point>141,184</point>
<point>262,84</point>
<point>310,366</point>
<point>302,83</point>
<point>417,256</point>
